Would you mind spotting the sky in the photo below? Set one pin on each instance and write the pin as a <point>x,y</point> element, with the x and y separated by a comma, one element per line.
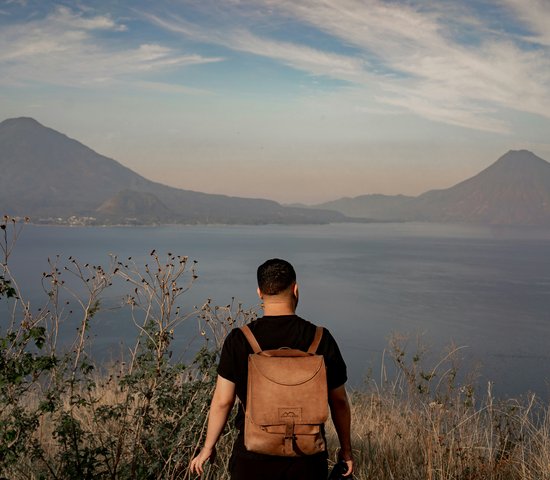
<point>293,100</point>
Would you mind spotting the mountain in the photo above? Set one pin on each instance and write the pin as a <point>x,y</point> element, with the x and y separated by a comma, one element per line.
<point>375,206</point>
<point>129,204</point>
<point>46,174</point>
<point>515,190</point>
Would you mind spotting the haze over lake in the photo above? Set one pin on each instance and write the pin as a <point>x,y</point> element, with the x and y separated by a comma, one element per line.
<point>483,288</point>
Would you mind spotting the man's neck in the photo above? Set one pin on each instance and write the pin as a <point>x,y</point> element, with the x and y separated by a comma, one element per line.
<point>273,309</point>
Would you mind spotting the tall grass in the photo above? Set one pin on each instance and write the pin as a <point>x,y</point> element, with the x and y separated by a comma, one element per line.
<point>418,425</point>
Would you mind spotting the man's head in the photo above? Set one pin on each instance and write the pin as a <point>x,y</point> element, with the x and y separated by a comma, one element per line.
<point>276,277</point>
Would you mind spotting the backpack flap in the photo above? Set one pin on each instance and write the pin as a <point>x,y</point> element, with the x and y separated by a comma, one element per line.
<point>287,390</point>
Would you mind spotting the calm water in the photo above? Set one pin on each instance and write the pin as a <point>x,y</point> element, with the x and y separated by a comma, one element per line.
<point>487,289</point>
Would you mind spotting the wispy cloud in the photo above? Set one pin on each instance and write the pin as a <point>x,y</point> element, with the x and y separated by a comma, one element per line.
<point>442,78</point>
<point>22,3</point>
<point>536,15</point>
<point>65,16</point>
<point>170,88</point>
<point>65,48</point>
<point>450,62</point>
<point>416,54</point>
<point>302,57</point>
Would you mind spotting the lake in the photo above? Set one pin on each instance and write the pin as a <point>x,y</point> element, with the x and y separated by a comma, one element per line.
<point>486,289</point>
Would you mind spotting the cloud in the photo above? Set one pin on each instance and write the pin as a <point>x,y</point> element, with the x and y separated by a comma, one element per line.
<point>65,16</point>
<point>21,3</point>
<point>450,62</point>
<point>446,64</point>
<point>437,75</point>
<point>453,111</point>
<point>66,48</point>
<point>305,58</point>
<point>301,57</point>
<point>536,15</point>
<point>170,88</point>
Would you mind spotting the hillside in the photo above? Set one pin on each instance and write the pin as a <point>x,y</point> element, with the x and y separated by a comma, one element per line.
<point>515,190</point>
<point>47,175</point>
<point>129,204</point>
<point>375,206</point>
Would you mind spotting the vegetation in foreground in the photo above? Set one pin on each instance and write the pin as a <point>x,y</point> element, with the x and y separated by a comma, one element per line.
<point>63,417</point>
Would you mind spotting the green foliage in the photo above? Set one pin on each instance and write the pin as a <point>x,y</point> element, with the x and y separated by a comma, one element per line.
<point>21,368</point>
<point>6,289</point>
<point>63,417</point>
<point>17,371</point>
<point>16,430</point>
<point>78,456</point>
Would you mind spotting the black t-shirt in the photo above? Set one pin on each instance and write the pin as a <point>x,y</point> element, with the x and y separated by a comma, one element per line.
<point>273,332</point>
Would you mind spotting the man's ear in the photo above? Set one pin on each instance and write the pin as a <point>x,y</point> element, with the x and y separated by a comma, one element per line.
<point>260,294</point>
<point>296,293</point>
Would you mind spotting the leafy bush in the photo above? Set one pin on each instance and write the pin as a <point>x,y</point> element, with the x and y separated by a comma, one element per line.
<point>62,417</point>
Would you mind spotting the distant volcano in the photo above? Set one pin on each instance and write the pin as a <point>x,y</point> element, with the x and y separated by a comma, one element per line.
<point>515,190</point>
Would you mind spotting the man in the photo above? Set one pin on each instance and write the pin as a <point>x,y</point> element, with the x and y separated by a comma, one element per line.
<point>279,327</point>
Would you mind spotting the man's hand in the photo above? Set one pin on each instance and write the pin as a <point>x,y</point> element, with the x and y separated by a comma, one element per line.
<point>198,462</point>
<point>346,457</point>
<point>341,417</point>
<point>222,402</point>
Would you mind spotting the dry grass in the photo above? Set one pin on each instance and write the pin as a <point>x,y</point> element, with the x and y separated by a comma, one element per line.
<point>399,436</point>
<point>395,437</point>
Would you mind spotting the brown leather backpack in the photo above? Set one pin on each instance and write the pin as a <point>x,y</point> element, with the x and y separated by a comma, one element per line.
<point>287,400</point>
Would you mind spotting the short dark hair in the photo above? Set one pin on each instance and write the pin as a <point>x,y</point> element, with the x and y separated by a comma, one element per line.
<point>275,276</point>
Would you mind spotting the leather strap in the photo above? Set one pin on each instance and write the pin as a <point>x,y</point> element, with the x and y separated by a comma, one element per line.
<point>316,340</point>
<point>257,349</point>
<point>289,438</point>
<point>251,339</point>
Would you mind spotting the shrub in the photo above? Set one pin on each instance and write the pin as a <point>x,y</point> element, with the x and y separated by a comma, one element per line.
<point>62,416</point>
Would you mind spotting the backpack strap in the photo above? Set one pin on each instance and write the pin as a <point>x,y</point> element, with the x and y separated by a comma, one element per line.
<point>256,346</point>
<point>316,340</point>
<point>251,339</point>
<point>289,438</point>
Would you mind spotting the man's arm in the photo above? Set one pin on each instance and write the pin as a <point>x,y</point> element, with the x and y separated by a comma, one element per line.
<point>222,403</point>
<point>341,417</point>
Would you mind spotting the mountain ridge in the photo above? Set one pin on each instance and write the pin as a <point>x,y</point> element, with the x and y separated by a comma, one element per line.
<point>52,177</point>
<point>47,174</point>
<point>514,190</point>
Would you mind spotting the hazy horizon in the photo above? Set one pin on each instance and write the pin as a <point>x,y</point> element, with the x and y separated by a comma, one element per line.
<point>298,101</point>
